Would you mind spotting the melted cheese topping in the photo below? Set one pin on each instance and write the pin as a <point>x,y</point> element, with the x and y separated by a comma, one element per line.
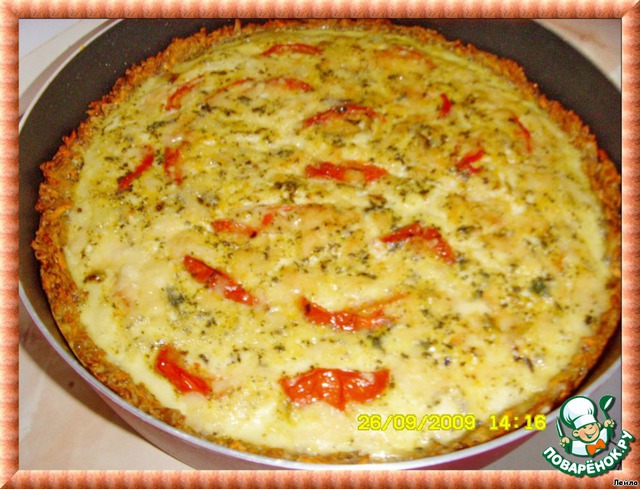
<point>475,336</point>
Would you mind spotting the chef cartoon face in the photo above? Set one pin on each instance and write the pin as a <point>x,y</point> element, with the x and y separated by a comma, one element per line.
<point>588,433</point>
<point>579,414</point>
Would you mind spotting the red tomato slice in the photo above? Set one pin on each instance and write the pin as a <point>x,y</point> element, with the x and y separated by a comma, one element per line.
<point>341,111</point>
<point>346,320</point>
<point>336,387</point>
<point>147,160</point>
<point>234,227</point>
<point>293,84</point>
<point>171,365</point>
<point>175,98</point>
<point>172,167</point>
<point>524,131</point>
<point>429,235</point>
<point>218,281</point>
<point>351,172</point>
<point>238,228</point>
<point>403,233</point>
<point>465,165</point>
<point>445,108</point>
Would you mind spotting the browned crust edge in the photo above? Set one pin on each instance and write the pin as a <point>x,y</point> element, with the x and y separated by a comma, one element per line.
<point>61,173</point>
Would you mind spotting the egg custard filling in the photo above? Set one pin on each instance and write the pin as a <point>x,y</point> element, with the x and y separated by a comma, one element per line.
<point>268,234</point>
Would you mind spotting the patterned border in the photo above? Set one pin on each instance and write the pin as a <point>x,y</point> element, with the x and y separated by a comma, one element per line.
<point>12,10</point>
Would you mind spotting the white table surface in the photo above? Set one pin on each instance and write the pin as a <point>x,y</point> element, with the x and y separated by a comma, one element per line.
<point>63,424</point>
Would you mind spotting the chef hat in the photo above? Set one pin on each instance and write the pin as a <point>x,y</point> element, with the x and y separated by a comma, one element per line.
<point>578,412</point>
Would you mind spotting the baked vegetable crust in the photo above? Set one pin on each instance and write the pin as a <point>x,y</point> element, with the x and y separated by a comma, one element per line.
<point>56,199</point>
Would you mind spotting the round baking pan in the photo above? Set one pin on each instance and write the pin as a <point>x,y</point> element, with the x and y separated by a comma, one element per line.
<point>560,71</point>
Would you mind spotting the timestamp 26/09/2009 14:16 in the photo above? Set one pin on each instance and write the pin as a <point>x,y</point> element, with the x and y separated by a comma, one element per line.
<point>455,422</point>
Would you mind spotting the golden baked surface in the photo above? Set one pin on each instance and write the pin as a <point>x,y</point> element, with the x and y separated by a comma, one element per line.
<point>265,235</point>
